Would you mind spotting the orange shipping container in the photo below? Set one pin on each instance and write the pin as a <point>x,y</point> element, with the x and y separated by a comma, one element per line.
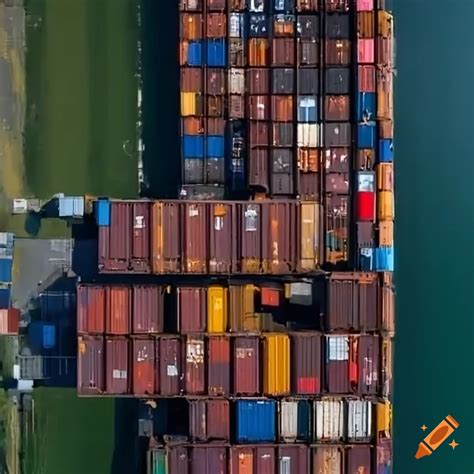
<point>385,129</point>
<point>192,126</point>
<point>216,25</point>
<point>191,26</point>
<point>308,159</point>
<point>384,79</point>
<point>385,177</point>
<point>386,233</point>
<point>258,52</point>
<point>191,79</point>
<point>365,24</point>
<point>118,314</point>
<point>365,159</point>
<point>385,24</point>
<point>282,108</point>
<point>385,105</point>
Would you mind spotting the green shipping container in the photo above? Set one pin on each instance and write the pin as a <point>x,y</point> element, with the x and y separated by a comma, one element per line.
<point>156,461</point>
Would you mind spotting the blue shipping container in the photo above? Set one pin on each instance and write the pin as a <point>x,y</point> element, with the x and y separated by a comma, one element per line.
<point>307,109</point>
<point>217,52</point>
<point>304,420</point>
<point>366,106</point>
<point>366,259</point>
<point>384,259</point>
<point>366,135</point>
<point>42,335</point>
<point>5,298</point>
<point>255,421</point>
<point>215,146</point>
<point>195,53</point>
<point>6,265</point>
<point>284,5</point>
<point>193,146</point>
<point>102,212</point>
<point>385,151</point>
<point>237,174</point>
<point>71,206</point>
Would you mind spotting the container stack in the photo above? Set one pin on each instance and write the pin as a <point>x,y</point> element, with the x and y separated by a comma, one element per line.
<point>9,317</point>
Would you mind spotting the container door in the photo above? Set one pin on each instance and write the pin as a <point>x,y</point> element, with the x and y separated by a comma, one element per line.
<point>284,465</point>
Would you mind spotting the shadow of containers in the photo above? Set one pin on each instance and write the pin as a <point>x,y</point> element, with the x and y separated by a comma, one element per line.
<point>160,71</point>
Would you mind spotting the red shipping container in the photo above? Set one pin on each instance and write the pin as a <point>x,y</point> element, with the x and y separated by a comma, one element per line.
<point>246,366</point>
<point>222,242</point>
<point>116,366</point>
<point>195,375</point>
<point>306,364</point>
<point>119,237</point>
<point>270,296</point>
<point>253,460</point>
<point>218,375</point>
<point>250,245</point>
<point>118,302</point>
<point>169,357</point>
<point>258,170</point>
<point>258,80</point>
<point>90,365</point>
<point>140,258</point>
<point>365,206</point>
<point>191,310</point>
<point>144,367</point>
<point>178,460</point>
<point>90,309</point>
<point>195,237</point>
<point>368,355</point>
<point>209,420</point>
<point>367,78</point>
<point>147,313</point>
<point>208,460</point>
<point>294,458</point>
<point>359,460</point>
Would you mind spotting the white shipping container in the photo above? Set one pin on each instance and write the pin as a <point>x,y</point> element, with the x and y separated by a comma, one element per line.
<point>359,420</point>
<point>236,81</point>
<point>308,135</point>
<point>329,419</point>
<point>288,421</point>
<point>236,25</point>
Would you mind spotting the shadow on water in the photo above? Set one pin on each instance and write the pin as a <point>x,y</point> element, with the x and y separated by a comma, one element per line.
<point>161,158</point>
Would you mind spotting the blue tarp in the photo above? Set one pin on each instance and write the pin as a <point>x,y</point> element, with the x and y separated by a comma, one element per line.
<point>255,421</point>
<point>366,106</point>
<point>215,146</point>
<point>193,146</point>
<point>366,135</point>
<point>385,151</point>
<point>195,53</point>
<point>6,265</point>
<point>70,206</point>
<point>217,52</point>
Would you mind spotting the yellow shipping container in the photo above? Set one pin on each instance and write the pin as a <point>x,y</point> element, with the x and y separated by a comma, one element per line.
<point>188,104</point>
<point>386,233</point>
<point>384,419</point>
<point>276,370</point>
<point>385,177</point>
<point>310,235</point>
<point>216,309</point>
<point>242,308</point>
<point>385,206</point>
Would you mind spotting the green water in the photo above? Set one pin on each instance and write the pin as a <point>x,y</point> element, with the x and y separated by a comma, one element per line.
<point>434,175</point>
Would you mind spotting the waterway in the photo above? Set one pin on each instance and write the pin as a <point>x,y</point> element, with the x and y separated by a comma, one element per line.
<point>434,232</point>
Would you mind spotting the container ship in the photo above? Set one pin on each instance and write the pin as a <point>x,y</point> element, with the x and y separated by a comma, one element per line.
<point>255,311</point>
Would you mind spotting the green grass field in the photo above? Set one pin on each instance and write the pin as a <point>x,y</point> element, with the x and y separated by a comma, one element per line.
<point>69,434</point>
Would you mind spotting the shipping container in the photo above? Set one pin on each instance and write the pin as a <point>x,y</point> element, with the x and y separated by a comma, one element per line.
<point>276,366</point>
<point>337,229</point>
<point>337,81</point>
<point>242,315</point>
<point>365,24</point>
<point>90,365</point>
<point>209,420</point>
<point>170,368</point>
<point>258,170</point>
<point>218,365</point>
<point>191,307</point>
<point>328,420</point>
<point>385,206</point>
<point>384,177</point>
<point>365,205</point>
<point>306,363</point>
<point>118,309</point>
<point>217,309</point>
<point>366,349</point>
<point>384,419</point>
<point>9,321</point>
<point>208,460</point>
<point>384,463</point>
<point>246,365</point>
<point>143,366</point>
<point>195,374</point>
<point>253,460</point>
<point>365,235</point>
<point>147,312</point>
<point>258,80</point>
<point>90,309</point>
<point>337,108</point>
<point>338,377</point>
<point>358,460</point>
<point>338,52</point>
<point>387,308</point>
<point>359,421</point>
<point>178,460</point>
<point>116,366</point>
<point>387,367</point>
<point>255,421</point>
<point>327,460</point>
<point>140,251</point>
<point>308,81</point>
<point>294,421</point>
<point>337,134</point>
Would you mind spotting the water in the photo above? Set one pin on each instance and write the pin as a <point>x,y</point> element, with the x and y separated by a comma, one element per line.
<point>435,214</point>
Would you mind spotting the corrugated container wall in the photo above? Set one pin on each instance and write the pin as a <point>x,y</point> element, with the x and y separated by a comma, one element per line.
<point>218,366</point>
<point>191,309</point>
<point>90,309</point>
<point>255,421</point>
<point>143,366</point>
<point>253,460</point>
<point>209,420</point>
<point>116,366</point>
<point>208,460</point>
<point>327,460</point>
<point>118,305</point>
<point>170,366</point>
<point>276,366</point>
<point>246,379</point>
<point>147,312</point>
<point>306,363</point>
<point>90,365</point>
<point>195,375</point>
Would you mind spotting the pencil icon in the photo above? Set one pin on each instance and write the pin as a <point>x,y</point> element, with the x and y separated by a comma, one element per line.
<point>437,437</point>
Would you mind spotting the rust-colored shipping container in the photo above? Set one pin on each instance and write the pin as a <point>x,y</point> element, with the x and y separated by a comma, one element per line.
<point>365,24</point>
<point>337,107</point>
<point>209,420</point>
<point>385,129</point>
<point>237,52</point>
<point>352,301</point>
<point>259,134</point>
<point>147,314</point>
<point>216,25</point>
<point>293,459</point>
<point>191,26</point>
<point>195,237</point>
<point>338,52</point>
<point>328,460</point>
<point>384,51</point>
<point>283,25</point>
<point>259,107</point>
<point>178,460</point>
<point>358,460</point>
<point>215,106</point>
<point>246,366</point>
<point>236,106</point>
<point>307,5</point>
<point>208,460</point>
<point>195,375</point>
<point>251,222</point>
<point>143,366</point>
<point>283,52</point>
<point>365,159</point>
<point>309,159</point>
<point>166,237</point>
<point>385,177</point>
<point>215,81</point>
<point>308,52</point>
<point>366,77</point>
<point>218,365</point>
<point>216,4</point>
<point>309,186</point>
<point>190,5</point>
<point>306,363</point>
<point>337,5</point>
<point>90,309</point>
<point>384,105</point>
<point>140,255</point>
<point>368,353</point>
<point>90,365</point>
<point>258,52</point>
<point>258,81</point>
<point>384,79</point>
<point>169,358</point>
<point>222,242</point>
<point>387,309</point>
<point>336,160</point>
<point>191,79</point>
<point>337,183</point>
<point>385,24</point>
<point>385,233</point>
<point>192,126</point>
<point>386,368</point>
<point>253,460</point>
<point>118,305</point>
<point>258,169</point>
<point>215,126</point>
<point>191,309</point>
<point>242,315</point>
<point>116,366</point>
<point>282,108</point>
